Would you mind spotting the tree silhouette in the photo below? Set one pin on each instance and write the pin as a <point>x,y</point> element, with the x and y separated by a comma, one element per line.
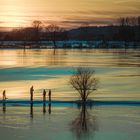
<point>37,26</point>
<point>84,81</point>
<point>53,31</point>
<point>126,32</point>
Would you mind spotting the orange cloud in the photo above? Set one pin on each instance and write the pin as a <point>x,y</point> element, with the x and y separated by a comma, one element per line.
<point>99,12</point>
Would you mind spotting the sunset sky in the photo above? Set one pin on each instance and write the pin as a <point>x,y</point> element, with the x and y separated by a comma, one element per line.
<point>68,13</point>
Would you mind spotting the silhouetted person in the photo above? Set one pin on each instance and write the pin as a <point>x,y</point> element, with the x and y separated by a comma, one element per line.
<point>44,95</point>
<point>49,105</point>
<point>31,99</point>
<point>4,95</point>
<point>44,101</point>
<point>49,94</point>
<point>4,101</point>
<point>49,109</point>
<point>31,93</point>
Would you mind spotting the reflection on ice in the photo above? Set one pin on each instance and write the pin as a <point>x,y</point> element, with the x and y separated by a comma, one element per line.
<point>84,124</point>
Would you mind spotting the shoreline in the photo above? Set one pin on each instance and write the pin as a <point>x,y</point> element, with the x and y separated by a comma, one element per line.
<point>60,48</point>
<point>70,44</point>
<point>71,103</point>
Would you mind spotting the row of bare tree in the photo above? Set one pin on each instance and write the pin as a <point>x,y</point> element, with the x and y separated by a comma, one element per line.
<point>129,21</point>
<point>37,32</point>
<point>127,29</point>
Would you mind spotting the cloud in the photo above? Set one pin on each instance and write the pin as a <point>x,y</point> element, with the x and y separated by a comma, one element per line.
<point>70,13</point>
<point>84,22</point>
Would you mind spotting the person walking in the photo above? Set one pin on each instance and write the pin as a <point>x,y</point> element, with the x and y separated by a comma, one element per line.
<point>4,95</point>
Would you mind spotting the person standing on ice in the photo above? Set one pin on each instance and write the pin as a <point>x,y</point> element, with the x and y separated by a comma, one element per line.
<point>31,93</point>
<point>49,94</point>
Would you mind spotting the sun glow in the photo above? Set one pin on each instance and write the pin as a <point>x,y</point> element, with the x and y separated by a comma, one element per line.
<point>16,13</point>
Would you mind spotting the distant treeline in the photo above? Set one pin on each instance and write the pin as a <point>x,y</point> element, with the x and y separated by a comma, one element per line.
<point>127,29</point>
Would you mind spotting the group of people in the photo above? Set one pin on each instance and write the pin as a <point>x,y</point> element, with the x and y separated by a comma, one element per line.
<point>44,94</point>
<point>31,93</point>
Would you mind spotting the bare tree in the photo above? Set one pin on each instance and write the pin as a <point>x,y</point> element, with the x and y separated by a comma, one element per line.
<point>126,32</point>
<point>138,20</point>
<point>128,21</point>
<point>84,81</point>
<point>37,26</point>
<point>121,21</point>
<point>52,31</point>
